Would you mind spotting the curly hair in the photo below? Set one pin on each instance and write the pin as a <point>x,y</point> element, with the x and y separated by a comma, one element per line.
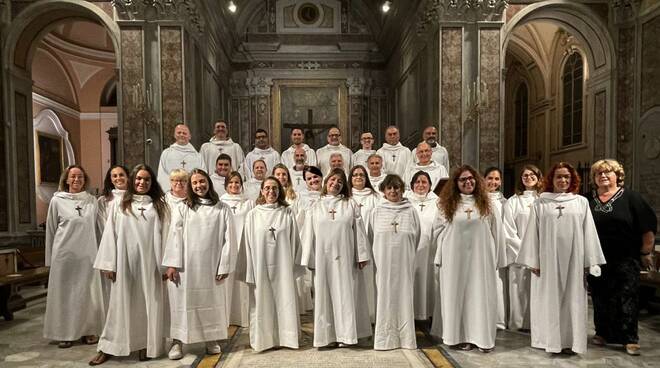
<point>540,183</point>
<point>606,165</point>
<point>450,195</point>
<point>574,187</point>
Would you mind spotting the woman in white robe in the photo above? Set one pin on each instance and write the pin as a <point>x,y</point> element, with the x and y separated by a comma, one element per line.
<point>367,198</point>
<point>269,262</point>
<point>340,308</point>
<point>74,303</point>
<point>426,282</point>
<point>516,216</point>
<point>493,178</point>
<point>176,196</point>
<point>281,172</point>
<point>130,255</point>
<point>199,257</point>
<point>470,250</point>
<point>394,232</point>
<point>238,293</point>
<point>560,245</point>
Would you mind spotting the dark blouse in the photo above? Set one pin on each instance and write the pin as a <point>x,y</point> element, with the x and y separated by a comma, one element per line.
<point>621,222</point>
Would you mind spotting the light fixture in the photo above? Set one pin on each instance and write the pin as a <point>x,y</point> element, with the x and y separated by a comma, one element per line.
<point>231,6</point>
<point>386,6</point>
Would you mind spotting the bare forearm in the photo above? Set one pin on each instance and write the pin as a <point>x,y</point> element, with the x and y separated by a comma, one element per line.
<point>648,240</point>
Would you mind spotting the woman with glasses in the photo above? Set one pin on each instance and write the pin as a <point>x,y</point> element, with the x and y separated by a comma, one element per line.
<point>471,249</point>
<point>178,188</point>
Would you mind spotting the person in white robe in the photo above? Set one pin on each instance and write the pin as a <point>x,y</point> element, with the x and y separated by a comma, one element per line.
<point>298,141</point>
<point>360,156</point>
<point>74,303</point>
<point>493,178</point>
<point>221,143</point>
<point>396,157</point>
<point>281,172</point>
<point>177,194</point>
<point>560,245</point>
<point>394,232</point>
<point>223,166</point>
<point>238,293</point>
<point>252,186</point>
<point>334,146</point>
<point>426,283</point>
<point>516,215</point>
<point>426,164</point>
<point>269,262</point>
<point>130,255</point>
<point>376,173</point>
<point>199,255</point>
<point>262,152</point>
<point>296,172</point>
<point>340,306</point>
<point>440,154</point>
<point>470,249</point>
<point>180,155</point>
<point>366,198</point>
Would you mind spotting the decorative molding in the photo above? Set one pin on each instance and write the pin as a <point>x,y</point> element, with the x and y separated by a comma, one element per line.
<point>460,11</point>
<point>188,10</point>
<point>625,10</point>
<point>358,86</point>
<point>259,86</point>
<point>64,109</point>
<point>77,50</point>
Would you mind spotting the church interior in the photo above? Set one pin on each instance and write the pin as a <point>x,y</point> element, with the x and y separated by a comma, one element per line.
<point>505,82</point>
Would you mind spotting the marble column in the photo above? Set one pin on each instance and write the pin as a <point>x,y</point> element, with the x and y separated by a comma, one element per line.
<point>358,106</point>
<point>259,92</point>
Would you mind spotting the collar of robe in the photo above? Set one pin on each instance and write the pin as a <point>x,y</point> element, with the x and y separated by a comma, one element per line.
<point>467,198</point>
<point>73,196</point>
<point>218,142</point>
<point>497,196</point>
<point>189,148</point>
<point>118,192</point>
<point>172,198</point>
<point>269,206</point>
<point>141,198</point>
<point>417,198</point>
<point>363,192</point>
<point>432,165</point>
<point>558,197</point>
<point>259,151</point>
<point>304,146</point>
<point>205,201</point>
<point>335,148</point>
<point>233,197</point>
<point>403,204</point>
<point>530,193</point>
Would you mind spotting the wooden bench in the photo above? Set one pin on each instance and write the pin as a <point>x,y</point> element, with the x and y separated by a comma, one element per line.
<point>10,300</point>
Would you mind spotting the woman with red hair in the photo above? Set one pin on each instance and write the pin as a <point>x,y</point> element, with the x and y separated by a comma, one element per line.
<point>560,244</point>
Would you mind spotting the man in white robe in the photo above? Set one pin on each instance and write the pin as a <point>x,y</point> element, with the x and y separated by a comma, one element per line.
<point>298,141</point>
<point>426,164</point>
<point>296,172</point>
<point>440,154</point>
<point>360,156</point>
<point>334,145</point>
<point>180,155</point>
<point>375,167</point>
<point>252,186</point>
<point>396,157</point>
<point>221,143</point>
<point>262,151</point>
<point>559,244</point>
<point>222,168</point>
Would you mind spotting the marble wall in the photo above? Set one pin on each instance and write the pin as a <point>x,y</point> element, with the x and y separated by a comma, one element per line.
<point>171,74</point>
<point>600,124</point>
<point>23,157</point>
<point>451,92</point>
<point>648,157</point>
<point>489,119</point>
<point>625,103</point>
<point>4,195</point>
<point>650,77</point>
<point>133,93</point>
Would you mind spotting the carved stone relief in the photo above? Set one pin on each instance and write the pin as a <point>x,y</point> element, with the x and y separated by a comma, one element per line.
<point>186,10</point>
<point>465,10</point>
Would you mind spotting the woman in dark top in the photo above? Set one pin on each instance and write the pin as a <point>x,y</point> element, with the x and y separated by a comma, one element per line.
<point>626,225</point>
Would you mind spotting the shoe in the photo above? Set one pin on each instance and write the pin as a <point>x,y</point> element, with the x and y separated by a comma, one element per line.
<point>65,344</point>
<point>213,348</point>
<point>100,358</point>
<point>90,339</point>
<point>568,351</point>
<point>466,346</point>
<point>598,340</point>
<point>632,349</point>
<point>176,351</point>
<point>142,355</point>
<point>485,350</point>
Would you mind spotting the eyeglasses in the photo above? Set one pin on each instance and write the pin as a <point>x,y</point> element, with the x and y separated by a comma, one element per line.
<point>367,138</point>
<point>526,176</point>
<point>467,178</point>
<point>334,135</point>
<point>359,175</point>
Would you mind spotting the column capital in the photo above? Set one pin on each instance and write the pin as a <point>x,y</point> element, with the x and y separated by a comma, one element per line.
<point>468,11</point>
<point>625,10</point>
<point>178,10</point>
<point>259,86</point>
<point>358,86</point>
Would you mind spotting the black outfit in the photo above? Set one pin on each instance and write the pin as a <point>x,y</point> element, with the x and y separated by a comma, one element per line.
<point>620,223</point>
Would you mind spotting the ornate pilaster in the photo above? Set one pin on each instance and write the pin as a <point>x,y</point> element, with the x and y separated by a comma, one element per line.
<point>358,102</point>
<point>259,89</point>
<point>442,11</point>
<point>186,11</point>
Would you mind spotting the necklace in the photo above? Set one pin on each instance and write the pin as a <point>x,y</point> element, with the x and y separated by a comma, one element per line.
<point>607,206</point>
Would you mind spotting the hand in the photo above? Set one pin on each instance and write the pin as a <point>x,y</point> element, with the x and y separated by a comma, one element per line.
<point>647,262</point>
<point>362,264</point>
<point>110,275</point>
<point>221,277</point>
<point>536,271</point>
<point>173,275</point>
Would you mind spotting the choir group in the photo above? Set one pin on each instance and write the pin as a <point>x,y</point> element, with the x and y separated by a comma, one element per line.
<point>370,241</point>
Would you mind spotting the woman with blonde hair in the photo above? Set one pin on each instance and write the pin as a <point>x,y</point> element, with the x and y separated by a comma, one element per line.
<point>626,227</point>
<point>281,172</point>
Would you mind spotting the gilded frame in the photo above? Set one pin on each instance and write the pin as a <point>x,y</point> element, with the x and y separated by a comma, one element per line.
<point>40,165</point>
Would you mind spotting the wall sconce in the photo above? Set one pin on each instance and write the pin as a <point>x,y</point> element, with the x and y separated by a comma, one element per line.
<point>386,6</point>
<point>231,6</point>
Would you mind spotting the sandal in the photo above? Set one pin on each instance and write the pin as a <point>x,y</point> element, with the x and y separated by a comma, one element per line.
<point>100,358</point>
<point>598,340</point>
<point>65,344</point>
<point>632,349</point>
<point>466,346</point>
<point>90,339</point>
<point>142,355</point>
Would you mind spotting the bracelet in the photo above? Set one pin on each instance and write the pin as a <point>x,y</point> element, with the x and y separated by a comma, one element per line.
<point>645,254</point>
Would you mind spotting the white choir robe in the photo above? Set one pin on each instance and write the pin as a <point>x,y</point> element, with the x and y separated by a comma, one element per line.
<point>74,303</point>
<point>101,219</point>
<point>376,180</point>
<point>367,199</point>
<point>177,156</point>
<point>439,154</point>
<point>497,201</point>
<point>269,261</point>
<point>268,155</point>
<point>435,171</point>
<point>218,184</point>
<point>304,283</point>
<point>238,293</point>
<point>470,250</point>
<point>298,180</point>
<point>516,216</point>
<point>394,232</point>
<point>214,147</point>
<point>396,158</point>
<point>562,246</point>
<point>360,157</point>
<point>201,246</point>
<point>340,304</point>
<point>288,159</point>
<point>323,157</point>
<point>426,282</point>
<point>252,188</point>
<point>131,246</point>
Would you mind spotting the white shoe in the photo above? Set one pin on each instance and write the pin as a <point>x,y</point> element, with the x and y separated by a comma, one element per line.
<point>212,348</point>
<point>176,351</point>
